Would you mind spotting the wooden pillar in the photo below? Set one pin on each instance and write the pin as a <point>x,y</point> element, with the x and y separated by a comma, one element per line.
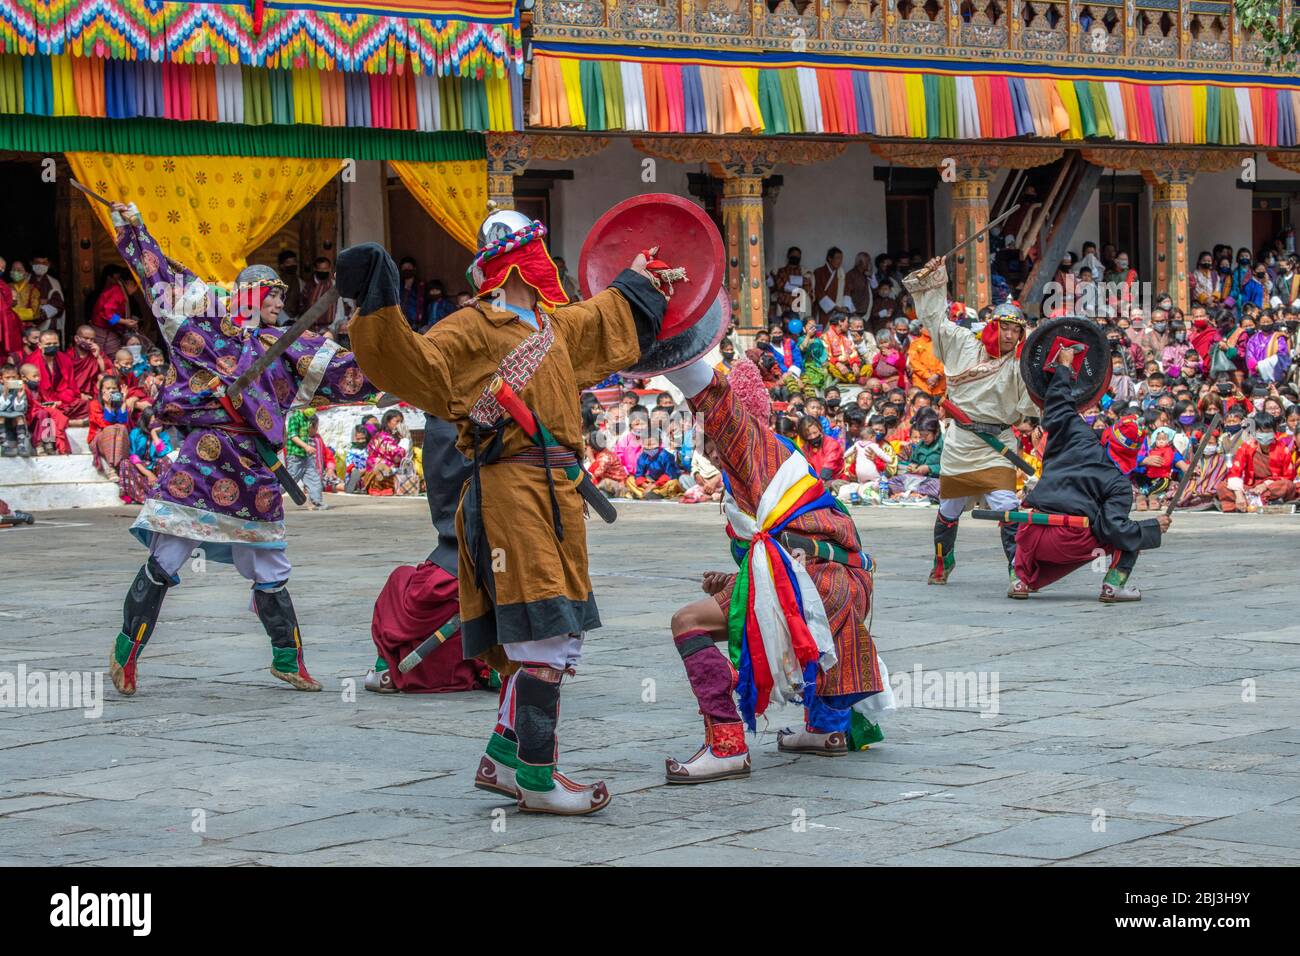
<point>1169,224</point>
<point>742,234</point>
<point>508,155</point>
<point>970,212</point>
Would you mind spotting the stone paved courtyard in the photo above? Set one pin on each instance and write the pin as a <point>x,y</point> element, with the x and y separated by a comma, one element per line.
<point>1163,733</point>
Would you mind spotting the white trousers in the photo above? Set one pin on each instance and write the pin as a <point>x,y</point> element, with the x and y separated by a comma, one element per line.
<point>259,565</point>
<point>950,509</point>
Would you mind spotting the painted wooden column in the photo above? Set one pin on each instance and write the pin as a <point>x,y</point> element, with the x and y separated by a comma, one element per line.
<point>1169,226</point>
<point>742,235</point>
<point>970,212</point>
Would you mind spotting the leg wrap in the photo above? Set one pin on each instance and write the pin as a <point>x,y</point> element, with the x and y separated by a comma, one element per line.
<point>537,712</point>
<point>945,543</point>
<point>822,718</point>
<point>140,611</point>
<point>275,609</point>
<point>1008,532</point>
<point>711,676</point>
<point>1121,566</point>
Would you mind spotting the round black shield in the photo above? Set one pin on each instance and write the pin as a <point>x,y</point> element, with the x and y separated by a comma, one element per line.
<point>685,347</point>
<point>1092,368</point>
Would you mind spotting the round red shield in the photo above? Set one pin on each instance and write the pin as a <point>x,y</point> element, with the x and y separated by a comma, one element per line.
<point>686,237</point>
<point>668,355</point>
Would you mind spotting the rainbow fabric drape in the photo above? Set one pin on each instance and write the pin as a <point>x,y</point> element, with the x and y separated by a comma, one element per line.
<point>662,96</point>
<point>446,37</point>
<point>116,89</point>
<point>778,631</point>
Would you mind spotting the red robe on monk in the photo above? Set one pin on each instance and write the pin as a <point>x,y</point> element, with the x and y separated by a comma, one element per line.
<point>58,384</point>
<point>11,327</point>
<point>87,369</point>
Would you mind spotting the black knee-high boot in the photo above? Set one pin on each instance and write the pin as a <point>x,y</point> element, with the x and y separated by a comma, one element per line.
<point>945,547</point>
<point>139,616</point>
<point>275,608</point>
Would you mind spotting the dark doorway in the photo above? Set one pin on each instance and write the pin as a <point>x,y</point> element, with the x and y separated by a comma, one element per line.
<point>1118,225</point>
<point>1268,220</point>
<point>909,224</point>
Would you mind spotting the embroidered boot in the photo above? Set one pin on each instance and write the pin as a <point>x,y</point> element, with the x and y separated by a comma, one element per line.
<point>1116,589</point>
<point>805,741</point>
<point>275,608</point>
<point>139,616</point>
<point>945,544</point>
<point>379,679</point>
<point>540,787</point>
<point>724,756</point>
<point>496,769</point>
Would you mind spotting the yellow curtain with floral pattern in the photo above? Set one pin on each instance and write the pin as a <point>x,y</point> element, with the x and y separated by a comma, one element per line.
<point>207,212</point>
<point>454,194</point>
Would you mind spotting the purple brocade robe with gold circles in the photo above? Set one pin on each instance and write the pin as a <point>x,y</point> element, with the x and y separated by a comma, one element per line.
<point>217,491</point>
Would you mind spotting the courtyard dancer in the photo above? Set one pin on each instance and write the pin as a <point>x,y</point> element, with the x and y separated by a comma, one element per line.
<point>795,616</point>
<point>1082,478</point>
<point>984,382</point>
<point>220,495</point>
<point>525,596</point>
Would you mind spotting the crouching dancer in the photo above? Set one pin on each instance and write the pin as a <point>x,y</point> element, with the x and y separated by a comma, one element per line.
<point>795,616</point>
<point>1082,478</point>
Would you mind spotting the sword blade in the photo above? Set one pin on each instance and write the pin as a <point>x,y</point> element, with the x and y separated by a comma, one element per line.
<point>281,345</point>
<point>966,242</point>
<point>91,193</point>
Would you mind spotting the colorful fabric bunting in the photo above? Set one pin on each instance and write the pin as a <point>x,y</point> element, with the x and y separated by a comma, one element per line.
<point>595,92</point>
<point>473,38</point>
<point>116,89</point>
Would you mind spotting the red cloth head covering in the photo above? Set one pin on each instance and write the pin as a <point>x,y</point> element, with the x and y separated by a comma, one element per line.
<point>523,252</point>
<point>746,383</point>
<point>1122,440</point>
<point>1006,312</point>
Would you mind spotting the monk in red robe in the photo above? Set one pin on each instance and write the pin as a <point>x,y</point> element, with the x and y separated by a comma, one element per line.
<point>89,363</point>
<point>58,383</point>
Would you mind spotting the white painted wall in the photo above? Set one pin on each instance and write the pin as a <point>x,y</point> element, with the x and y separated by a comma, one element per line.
<point>600,182</point>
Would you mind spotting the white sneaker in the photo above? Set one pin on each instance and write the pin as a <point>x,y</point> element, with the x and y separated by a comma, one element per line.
<point>1122,595</point>
<point>496,777</point>
<point>804,741</point>
<point>566,798</point>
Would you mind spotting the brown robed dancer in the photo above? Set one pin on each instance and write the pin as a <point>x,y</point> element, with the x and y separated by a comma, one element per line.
<point>525,596</point>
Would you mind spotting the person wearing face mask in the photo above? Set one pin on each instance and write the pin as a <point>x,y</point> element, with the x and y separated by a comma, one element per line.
<point>218,493</point>
<point>1242,274</point>
<point>437,305</point>
<point>412,293</point>
<point>790,286</point>
<point>983,380</point>
<point>1121,280</point>
<point>11,327</point>
<point>27,299</point>
<point>1263,468</point>
<point>13,414</point>
<point>47,425</point>
<point>49,295</point>
<point>287,267</point>
<point>1173,356</point>
<point>57,386</point>
<point>1254,287</point>
<point>1268,351</point>
<point>1208,286</point>
<point>111,315</point>
<point>1287,284</point>
<point>319,282</point>
<point>784,349</point>
<point>1153,339</point>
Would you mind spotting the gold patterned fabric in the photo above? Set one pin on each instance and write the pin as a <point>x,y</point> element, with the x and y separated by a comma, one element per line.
<point>454,194</point>
<point>210,212</point>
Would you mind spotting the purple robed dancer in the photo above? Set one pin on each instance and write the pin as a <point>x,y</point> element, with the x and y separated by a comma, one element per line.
<point>217,495</point>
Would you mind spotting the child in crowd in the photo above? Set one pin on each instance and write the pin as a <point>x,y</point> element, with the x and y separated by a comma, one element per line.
<point>607,472</point>
<point>656,472</point>
<point>1156,463</point>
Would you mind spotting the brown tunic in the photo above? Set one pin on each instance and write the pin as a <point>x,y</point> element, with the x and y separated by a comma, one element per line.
<point>542,587</point>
